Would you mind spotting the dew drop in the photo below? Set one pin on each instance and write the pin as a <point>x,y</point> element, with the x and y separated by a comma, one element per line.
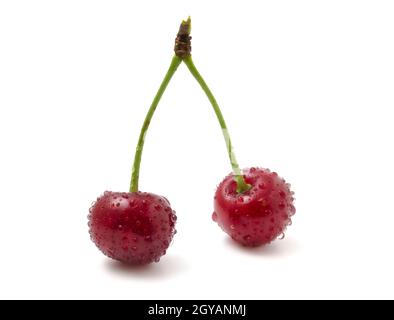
<point>148,238</point>
<point>282,236</point>
<point>157,207</point>
<point>289,223</point>
<point>215,216</point>
<point>134,248</point>
<point>166,200</point>
<point>261,186</point>
<point>232,227</point>
<point>125,196</point>
<point>157,259</point>
<point>247,238</point>
<point>144,201</point>
<point>262,202</point>
<point>120,227</point>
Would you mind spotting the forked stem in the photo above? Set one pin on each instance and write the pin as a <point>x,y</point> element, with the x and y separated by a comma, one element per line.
<point>183,53</point>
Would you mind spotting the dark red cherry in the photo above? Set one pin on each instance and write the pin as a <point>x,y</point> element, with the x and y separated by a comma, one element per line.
<point>134,228</point>
<point>259,215</point>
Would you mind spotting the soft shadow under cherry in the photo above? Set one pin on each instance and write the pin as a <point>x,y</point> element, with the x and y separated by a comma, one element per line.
<point>169,266</point>
<point>278,248</point>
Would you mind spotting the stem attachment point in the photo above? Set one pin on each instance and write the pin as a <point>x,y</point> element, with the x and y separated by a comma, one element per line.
<point>183,47</point>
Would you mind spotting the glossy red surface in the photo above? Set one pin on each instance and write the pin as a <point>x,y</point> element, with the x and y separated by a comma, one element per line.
<point>135,228</point>
<point>259,215</point>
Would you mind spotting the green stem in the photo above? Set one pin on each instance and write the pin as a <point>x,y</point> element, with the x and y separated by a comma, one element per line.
<point>242,186</point>
<point>176,61</point>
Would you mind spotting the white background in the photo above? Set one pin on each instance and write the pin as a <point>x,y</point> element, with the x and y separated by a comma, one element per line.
<point>306,88</point>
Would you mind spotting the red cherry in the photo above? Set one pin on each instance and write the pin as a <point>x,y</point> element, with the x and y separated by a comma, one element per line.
<point>133,227</point>
<point>259,215</point>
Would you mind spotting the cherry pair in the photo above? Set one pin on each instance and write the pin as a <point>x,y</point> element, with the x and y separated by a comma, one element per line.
<point>254,206</point>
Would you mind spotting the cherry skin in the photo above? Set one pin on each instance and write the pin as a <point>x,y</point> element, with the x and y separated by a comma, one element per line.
<point>135,228</point>
<point>259,215</point>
